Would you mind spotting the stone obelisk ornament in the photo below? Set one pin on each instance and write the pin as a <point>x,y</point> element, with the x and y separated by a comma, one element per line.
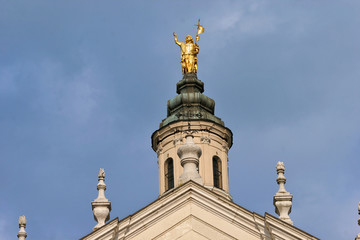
<point>358,236</point>
<point>101,206</point>
<point>189,51</point>
<point>282,199</point>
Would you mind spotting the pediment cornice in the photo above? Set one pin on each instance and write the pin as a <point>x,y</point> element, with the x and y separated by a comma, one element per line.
<point>192,198</point>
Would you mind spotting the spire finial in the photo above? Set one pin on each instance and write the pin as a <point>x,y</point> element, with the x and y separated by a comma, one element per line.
<point>282,199</point>
<point>189,155</point>
<point>281,179</point>
<point>101,206</point>
<point>359,213</point>
<point>22,225</point>
<point>358,236</point>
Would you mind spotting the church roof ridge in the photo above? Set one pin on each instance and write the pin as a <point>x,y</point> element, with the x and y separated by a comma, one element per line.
<point>189,188</point>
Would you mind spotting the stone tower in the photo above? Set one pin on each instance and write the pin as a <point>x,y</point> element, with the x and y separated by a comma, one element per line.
<point>192,112</point>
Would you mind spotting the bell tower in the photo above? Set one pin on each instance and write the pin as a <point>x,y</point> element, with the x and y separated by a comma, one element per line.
<point>192,111</point>
<point>192,143</point>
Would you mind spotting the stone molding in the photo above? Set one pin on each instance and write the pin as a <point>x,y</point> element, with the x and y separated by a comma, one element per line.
<point>205,139</point>
<point>194,200</point>
<point>159,151</point>
<point>210,137</point>
<point>177,141</point>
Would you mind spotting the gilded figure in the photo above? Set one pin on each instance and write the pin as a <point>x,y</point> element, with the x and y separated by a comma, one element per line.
<point>189,51</point>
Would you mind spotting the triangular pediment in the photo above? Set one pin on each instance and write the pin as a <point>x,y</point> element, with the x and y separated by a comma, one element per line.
<point>192,226</point>
<point>193,212</point>
<point>191,235</point>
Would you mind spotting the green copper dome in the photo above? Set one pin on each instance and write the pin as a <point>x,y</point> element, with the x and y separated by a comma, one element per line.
<point>190,104</point>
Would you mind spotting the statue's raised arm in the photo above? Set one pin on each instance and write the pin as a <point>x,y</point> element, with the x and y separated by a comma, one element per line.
<point>176,39</point>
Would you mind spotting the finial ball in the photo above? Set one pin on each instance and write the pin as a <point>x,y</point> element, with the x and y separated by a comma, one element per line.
<point>101,173</point>
<point>22,220</point>
<point>280,166</point>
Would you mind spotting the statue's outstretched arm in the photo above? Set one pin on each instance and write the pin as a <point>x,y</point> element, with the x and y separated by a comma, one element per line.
<point>176,39</point>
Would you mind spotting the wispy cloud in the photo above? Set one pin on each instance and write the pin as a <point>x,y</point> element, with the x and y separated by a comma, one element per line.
<point>244,18</point>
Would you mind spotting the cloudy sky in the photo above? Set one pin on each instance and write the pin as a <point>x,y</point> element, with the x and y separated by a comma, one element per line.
<point>84,84</point>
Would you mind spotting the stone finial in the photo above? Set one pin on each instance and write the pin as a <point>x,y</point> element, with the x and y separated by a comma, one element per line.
<point>358,236</point>
<point>189,154</point>
<point>282,199</point>
<point>22,225</point>
<point>281,179</point>
<point>101,206</point>
<point>359,213</point>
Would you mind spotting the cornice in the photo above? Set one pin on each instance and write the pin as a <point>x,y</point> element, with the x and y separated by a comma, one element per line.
<point>261,227</point>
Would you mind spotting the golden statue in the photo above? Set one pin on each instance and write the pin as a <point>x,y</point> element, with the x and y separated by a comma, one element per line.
<point>189,51</point>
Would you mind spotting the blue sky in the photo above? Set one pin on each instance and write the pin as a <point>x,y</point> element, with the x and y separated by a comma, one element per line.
<point>84,84</point>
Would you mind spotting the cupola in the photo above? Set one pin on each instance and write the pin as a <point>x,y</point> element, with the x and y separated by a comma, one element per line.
<point>192,111</point>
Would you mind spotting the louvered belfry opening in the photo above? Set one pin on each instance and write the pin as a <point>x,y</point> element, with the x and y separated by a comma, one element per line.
<point>169,174</point>
<point>217,176</point>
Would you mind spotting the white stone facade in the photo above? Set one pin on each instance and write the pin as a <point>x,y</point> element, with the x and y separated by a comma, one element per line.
<point>212,138</point>
<point>192,211</point>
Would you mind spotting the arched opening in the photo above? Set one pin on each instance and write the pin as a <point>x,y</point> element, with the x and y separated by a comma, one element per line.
<point>169,174</point>
<point>217,176</point>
